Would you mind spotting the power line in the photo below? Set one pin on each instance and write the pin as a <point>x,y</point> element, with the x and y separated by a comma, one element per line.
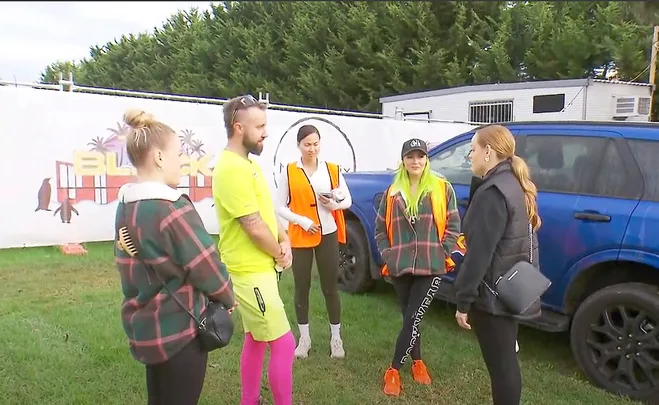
<point>644,70</point>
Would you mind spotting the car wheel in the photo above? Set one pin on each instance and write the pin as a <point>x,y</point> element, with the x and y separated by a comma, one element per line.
<point>354,261</point>
<point>615,339</point>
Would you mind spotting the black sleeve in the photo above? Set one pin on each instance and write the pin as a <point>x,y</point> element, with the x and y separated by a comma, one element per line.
<point>488,222</point>
<point>475,182</point>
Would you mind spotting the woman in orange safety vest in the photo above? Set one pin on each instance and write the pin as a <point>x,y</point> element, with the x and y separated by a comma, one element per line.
<point>311,196</point>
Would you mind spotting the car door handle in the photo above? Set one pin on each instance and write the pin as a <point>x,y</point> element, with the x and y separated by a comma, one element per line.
<point>463,202</point>
<point>592,216</point>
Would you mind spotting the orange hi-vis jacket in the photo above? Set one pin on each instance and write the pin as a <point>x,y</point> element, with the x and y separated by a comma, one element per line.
<point>439,213</point>
<point>302,201</point>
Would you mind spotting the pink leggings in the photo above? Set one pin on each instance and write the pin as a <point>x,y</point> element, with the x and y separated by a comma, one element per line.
<point>280,369</point>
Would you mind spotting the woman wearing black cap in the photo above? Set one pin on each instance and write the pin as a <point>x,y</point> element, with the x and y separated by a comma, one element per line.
<point>311,196</point>
<point>416,229</point>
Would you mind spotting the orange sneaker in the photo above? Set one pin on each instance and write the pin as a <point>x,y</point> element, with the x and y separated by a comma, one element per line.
<point>392,382</point>
<point>420,372</point>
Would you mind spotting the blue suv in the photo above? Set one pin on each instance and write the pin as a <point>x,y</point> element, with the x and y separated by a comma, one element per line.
<point>598,198</point>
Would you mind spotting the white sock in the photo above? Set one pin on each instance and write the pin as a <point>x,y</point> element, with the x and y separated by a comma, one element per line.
<point>336,331</point>
<point>304,331</point>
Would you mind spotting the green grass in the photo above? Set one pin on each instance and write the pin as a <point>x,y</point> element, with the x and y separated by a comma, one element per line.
<point>61,342</point>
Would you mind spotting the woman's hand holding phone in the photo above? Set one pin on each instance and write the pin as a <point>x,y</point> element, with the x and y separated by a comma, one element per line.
<point>325,198</point>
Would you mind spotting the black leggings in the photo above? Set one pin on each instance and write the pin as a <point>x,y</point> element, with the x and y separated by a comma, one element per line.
<point>415,293</point>
<point>497,336</point>
<point>179,380</point>
<point>327,261</point>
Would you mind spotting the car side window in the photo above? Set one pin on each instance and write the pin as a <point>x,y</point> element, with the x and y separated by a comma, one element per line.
<point>454,163</point>
<point>646,154</point>
<point>613,178</point>
<point>564,164</point>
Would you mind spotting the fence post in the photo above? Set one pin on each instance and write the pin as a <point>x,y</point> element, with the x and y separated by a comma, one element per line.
<point>398,114</point>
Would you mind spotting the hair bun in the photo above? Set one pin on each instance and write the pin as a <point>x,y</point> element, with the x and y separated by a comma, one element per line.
<point>135,118</point>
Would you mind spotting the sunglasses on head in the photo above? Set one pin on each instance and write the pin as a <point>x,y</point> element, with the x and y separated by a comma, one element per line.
<point>244,102</point>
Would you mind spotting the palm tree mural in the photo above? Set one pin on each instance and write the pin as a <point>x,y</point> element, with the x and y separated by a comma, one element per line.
<point>187,139</point>
<point>98,144</point>
<point>197,147</point>
<point>117,143</point>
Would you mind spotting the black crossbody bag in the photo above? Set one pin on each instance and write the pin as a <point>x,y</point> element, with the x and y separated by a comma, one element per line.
<point>522,285</point>
<point>214,326</point>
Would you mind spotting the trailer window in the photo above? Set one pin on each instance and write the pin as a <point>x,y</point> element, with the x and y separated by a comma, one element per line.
<point>491,112</point>
<point>548,103</point>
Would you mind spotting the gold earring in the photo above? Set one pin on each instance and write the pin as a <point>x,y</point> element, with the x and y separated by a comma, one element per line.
<point>487,158</point>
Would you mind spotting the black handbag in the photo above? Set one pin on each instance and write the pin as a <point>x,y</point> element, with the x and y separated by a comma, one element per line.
<point>214,326</point>
<point>522,285</point>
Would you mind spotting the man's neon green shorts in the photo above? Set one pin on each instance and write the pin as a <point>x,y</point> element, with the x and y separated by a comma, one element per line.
<point>260,306</point>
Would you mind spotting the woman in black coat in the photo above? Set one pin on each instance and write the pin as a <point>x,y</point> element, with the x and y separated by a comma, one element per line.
<point>496,228</point>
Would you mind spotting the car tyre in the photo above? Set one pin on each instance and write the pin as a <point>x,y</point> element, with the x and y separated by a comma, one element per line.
<point>354,261</point>
<point>615,339</point>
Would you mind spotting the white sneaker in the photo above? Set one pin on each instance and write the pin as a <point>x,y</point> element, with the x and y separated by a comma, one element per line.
<point>336,348</point>
<point>302,349</point>
<point>516,347</point>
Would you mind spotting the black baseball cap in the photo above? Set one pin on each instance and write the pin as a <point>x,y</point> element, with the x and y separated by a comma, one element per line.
<point>412,145</point>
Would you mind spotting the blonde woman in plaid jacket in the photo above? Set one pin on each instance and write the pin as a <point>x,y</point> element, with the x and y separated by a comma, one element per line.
<point>168,242</point>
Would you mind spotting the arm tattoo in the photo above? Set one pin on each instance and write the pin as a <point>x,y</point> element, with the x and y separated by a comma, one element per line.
<point>250,221</point>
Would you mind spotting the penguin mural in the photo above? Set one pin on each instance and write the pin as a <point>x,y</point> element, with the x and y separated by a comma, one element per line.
<point>44,195</point>
<point>65,211</point>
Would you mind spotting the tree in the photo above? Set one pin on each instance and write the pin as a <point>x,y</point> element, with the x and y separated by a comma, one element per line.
<point>51,74</point>
<point>345,55</point>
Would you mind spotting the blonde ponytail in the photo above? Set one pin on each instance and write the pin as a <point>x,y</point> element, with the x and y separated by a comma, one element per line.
<point>521,171</point>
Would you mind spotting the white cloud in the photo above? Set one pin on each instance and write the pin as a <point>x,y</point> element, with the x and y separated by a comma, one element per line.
<point>35,34</point>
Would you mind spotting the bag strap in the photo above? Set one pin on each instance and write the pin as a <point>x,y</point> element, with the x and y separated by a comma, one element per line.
<point>136,254</point>
<point>530,243</point>
<point>530,261</point>
<point>172,294</point>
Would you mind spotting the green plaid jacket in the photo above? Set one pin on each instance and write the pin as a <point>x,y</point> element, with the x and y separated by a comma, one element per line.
<point>173,241</point>
<point>416,248</point>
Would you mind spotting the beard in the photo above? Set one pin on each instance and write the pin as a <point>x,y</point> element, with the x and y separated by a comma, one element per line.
<point>254,148</point>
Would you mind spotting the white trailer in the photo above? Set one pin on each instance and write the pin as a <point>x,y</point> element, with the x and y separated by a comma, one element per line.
<point>553,100</point>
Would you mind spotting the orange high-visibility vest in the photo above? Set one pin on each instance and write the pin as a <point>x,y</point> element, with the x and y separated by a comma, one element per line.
<point>439,212</point>
<point>302,201</point>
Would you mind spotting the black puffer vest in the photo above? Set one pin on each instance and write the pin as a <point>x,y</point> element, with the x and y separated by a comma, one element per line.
<point>513,246</point>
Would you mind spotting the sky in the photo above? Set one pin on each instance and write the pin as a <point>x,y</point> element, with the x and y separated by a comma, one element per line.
<point>36,34</point>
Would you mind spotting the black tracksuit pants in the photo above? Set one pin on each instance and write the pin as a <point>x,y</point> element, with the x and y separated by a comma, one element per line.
<point>415,293</point>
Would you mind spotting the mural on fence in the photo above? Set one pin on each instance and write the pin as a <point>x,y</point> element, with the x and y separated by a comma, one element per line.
<point>78,162</point>
<point>65,211</point>
<point>98,173</point>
